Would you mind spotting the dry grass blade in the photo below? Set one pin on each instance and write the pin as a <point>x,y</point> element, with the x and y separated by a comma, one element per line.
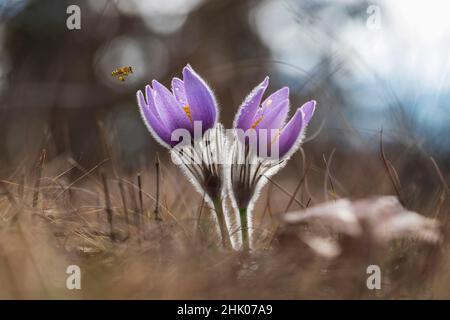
<point>291,200</point>
<point>327,176</point>
<point>285,191</point>
<point>21,186</point>
<point>85,174</point>
<point>37,182</point>
<point>388,170</point>
<point>109,213</point>
<point>299,184</point>
<point>11,200</point>
<point>441,176</point>
<point>141,200</point>
<point>124,203</point>
<point>157,174</point>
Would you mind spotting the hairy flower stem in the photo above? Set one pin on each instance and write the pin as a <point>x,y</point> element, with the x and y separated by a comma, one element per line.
<point>244,228</point>
<point>222,224</point>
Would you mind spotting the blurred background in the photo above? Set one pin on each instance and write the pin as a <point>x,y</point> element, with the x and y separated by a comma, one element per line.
<point>371,65</point>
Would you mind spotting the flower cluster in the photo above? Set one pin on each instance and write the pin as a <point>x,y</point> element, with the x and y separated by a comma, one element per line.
<point>184,120</point>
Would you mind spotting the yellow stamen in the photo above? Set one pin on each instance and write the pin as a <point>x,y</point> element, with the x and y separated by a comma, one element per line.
<point>257,122</point>
<point>187,110</point>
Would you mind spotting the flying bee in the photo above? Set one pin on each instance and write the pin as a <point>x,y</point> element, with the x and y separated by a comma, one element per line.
<point>121,73</point>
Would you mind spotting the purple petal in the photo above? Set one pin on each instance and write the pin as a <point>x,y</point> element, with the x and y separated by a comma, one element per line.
<point>308,111</point>
<point>179,92</point>
<point>247,111</point>
<point>150,101</point>
<point>168,108</point>
<point>274,117</point>
<point>275,98</point>
<point>142,103</point>
<point>272,101</point>
<point>152,121</point>
<point>291,133</point>
<point>201,101</point>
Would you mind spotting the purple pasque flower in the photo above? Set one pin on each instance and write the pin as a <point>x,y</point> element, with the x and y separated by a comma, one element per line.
<point>268,120</point>
<point>261,146</point>
<point>190,102</point>
<point>189,111</point>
